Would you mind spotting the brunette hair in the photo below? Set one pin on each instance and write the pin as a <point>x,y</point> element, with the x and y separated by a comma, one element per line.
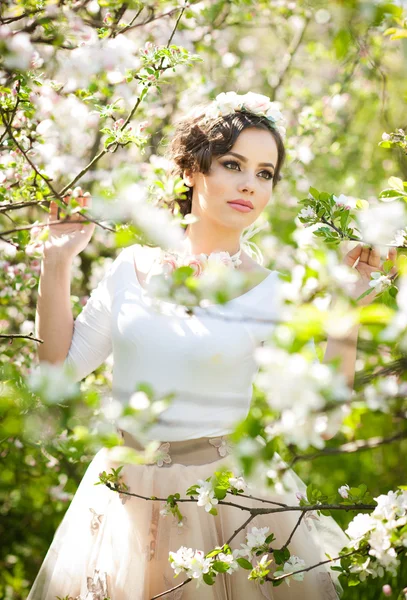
<point>198,139</point>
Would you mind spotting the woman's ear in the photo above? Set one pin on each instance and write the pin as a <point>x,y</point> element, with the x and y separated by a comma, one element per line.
<point>188,178</point>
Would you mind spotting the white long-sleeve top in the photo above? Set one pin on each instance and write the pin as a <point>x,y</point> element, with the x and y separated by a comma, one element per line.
<point>207,362</point>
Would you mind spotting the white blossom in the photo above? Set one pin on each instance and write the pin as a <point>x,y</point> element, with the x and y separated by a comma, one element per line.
<point>194,564</point>
<point>294,563</point>
<point>255,539</point>
<point>230,560</point>
<point>379,281</point>
<point>379,223</point>
<point>368,568</point>
<point>346,201</point>
<point>359,526</point>
<point>377,396</point>
<point>20,51</point>
<point>344,491</point>
<point>206,495</point>
<point>400,238</point>
<point>238,483</point>
<point>53,382</point>
<point>307,213</point>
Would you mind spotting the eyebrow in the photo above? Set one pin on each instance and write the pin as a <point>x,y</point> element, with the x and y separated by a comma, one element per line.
<point>244,159</point>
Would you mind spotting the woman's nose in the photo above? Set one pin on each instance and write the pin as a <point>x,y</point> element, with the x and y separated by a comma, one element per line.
<point>247,184</point>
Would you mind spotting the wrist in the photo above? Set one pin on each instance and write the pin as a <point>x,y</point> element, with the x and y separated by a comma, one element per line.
<point>54,257</point>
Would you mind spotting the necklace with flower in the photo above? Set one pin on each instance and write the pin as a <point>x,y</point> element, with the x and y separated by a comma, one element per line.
<point>171,260</point>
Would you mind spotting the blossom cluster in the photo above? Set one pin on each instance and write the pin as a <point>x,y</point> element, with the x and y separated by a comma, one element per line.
<point>204,568</point>
<point>383,532</point>
<point>195,564</point>
<point>228,102</point>
<point>298,399</point>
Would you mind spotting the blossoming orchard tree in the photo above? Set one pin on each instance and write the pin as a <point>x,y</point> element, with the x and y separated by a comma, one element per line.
<point>89,92</point>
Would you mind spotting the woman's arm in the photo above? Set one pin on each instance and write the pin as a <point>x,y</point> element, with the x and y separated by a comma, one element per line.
<point>365,261</point>
<point>54,322</point>
<point>345,349</point>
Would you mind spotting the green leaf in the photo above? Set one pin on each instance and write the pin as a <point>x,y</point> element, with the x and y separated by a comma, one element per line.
<point>220,566</point>
<point>208,579</point>
<point>342,42</point>
<point>244,563</point>
<point>387,266</point>
<point>366,293</point>
<point>314,193</point>
<point>396,184</point>
<point>213,553</point>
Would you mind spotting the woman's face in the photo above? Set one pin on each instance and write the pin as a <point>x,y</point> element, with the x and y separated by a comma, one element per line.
<point>247,178</point>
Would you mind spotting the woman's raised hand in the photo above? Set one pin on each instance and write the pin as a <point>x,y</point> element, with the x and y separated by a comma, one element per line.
<point>69,236</point>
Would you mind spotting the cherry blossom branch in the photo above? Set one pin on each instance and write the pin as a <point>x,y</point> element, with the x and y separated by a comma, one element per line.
<point>60,222</point>
<point>291,52</point>
<point>262,500</point>
<point>350,448</point>
<point>323,562</point>
<point>126,122</point>
<point>239,529</point>
<point>177,587</point>
<point>13,114</point>
<point>12,336</point>
<point>252,511</point>
<point>7,206</point>
<point>302,515</point>
<point>10,132</point>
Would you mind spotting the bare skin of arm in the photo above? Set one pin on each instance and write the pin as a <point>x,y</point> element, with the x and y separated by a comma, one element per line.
<point>54,320</point>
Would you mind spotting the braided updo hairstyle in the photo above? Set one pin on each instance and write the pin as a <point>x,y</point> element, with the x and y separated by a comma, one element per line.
<point>197,139</point>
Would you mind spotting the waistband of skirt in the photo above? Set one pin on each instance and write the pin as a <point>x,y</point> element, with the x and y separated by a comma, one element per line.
<point>198,451</point>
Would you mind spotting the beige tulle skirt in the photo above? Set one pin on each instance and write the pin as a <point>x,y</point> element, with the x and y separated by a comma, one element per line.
<point>116,546</point>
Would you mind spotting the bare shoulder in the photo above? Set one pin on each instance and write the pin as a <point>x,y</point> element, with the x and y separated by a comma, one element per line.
<point>251,266</point>
<point>143,258</point>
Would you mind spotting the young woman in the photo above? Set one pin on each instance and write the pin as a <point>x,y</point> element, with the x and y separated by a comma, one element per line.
<point>115,546</point>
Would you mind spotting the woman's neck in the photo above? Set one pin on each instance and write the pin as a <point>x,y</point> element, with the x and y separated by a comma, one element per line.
<point>199,240</point>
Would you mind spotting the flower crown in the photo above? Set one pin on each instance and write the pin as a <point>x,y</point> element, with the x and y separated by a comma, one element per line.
<point>260,105</point>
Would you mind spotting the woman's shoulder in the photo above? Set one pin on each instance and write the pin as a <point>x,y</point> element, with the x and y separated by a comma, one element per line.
<point>251,266</point>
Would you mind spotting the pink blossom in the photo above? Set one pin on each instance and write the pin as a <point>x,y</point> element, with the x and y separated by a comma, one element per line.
<point>117,124</point>
<point>143,125</point>
<point>196,264</point>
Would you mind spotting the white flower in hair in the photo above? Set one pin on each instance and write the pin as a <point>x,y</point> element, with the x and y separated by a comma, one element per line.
<point>260,105</point>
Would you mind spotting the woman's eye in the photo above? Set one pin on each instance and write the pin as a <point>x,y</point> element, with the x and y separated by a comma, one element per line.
<point>233,162</point>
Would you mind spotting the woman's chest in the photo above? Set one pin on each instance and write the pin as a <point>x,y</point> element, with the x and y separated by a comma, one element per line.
<point>205,335</point>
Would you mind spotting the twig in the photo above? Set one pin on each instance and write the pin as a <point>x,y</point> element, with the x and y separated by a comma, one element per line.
<point>253,511</point>
<point>63,222</point>
<point>126,122</point>
<point>291,54</point>
<point>234,534</point>
<point>177,587</point>
<point>128,26</point>
<point>323,562</point>
<point>12,336</point>
<point>262,500</point>
<point>349,448</point>
<point>302,515</point>
<point>44,177</point>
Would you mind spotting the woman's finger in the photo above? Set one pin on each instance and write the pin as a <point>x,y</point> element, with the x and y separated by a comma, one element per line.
<point>352,256</point>
<point>53,211</point>
<point>392,255</point>
<point>374,258</point>
<point>364,256</point>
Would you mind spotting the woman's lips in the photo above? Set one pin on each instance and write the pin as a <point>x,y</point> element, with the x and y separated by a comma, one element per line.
<point>240,207</point>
